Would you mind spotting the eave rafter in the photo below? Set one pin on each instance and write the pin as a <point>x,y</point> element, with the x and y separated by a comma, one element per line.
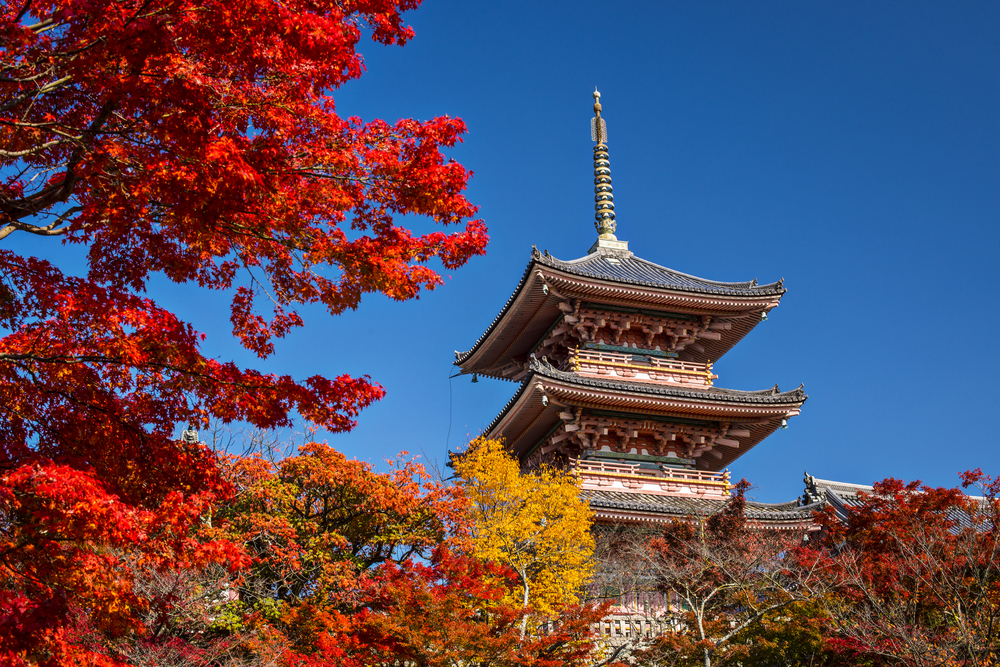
<point>550,305</point>
<point>559,413</point>
<point>570,287</point>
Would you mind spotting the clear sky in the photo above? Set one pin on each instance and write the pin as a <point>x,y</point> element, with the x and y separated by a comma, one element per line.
<point>852,148</point>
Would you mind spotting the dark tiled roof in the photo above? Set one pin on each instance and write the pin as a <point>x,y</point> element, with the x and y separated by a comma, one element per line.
<point>764,396</point>
<point>624,267</point>
<point>838,495</point>
<point>630,270</point>
<point>818,489</point>
<point>509,405</point>
<point>843,495</point>
<point>680,507</point>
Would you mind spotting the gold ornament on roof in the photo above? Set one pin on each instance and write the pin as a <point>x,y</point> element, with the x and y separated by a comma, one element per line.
<point>604,197</point>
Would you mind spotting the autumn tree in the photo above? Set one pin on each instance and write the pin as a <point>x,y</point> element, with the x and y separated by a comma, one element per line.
<point>193,623</point>
<point>534,522</point>
<point>357,567</point>
<point>197,141</point>
<point>452,612</point>
<point>917,574</point>
<point>317,526</point>
<point>719,579</point>
<point>796,636</point>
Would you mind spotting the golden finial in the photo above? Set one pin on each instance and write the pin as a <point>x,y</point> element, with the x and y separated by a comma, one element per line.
<point>598,128</point>
<point>603,195</point>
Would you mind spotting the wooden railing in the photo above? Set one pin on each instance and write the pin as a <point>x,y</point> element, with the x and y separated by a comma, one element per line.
<point>678,474</point>
<point>640,366</point>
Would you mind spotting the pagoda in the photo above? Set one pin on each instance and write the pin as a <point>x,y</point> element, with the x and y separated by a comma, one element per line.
<point>615,357</point>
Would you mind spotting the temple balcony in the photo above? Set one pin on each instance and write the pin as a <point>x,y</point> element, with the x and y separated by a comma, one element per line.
<point>661,480</point>
<point>639,367</point>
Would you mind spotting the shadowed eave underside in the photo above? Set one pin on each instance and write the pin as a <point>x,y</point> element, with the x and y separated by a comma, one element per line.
<point>618,279</point>
<point>533,411</point>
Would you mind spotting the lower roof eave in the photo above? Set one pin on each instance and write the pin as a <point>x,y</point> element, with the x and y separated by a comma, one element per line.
<point>607,515</point>
<point>533,411</point>
<point>668,405</point>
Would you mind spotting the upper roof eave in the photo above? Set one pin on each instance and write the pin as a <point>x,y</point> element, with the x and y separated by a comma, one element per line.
<point>462,357</point>
<point>579,268</point>
<point>632,270</point>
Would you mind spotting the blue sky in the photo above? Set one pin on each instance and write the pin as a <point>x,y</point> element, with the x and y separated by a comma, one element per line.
<point>852,148</point>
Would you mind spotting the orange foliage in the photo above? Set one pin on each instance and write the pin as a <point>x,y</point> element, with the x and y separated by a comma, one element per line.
<point>197,141</point>
<point>357,567</point>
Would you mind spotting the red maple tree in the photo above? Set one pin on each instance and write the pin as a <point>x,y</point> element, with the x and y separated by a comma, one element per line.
<point>915,574</point>
<point>712,581</point>
<point>198,141</point>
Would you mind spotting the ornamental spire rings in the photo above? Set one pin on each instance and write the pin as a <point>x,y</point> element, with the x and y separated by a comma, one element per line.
<point>604,197</point>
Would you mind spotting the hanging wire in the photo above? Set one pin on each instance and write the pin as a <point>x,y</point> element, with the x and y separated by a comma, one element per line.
<point>447,440</point>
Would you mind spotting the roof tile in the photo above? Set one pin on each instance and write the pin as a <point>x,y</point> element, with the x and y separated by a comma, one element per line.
<point>625,267</point>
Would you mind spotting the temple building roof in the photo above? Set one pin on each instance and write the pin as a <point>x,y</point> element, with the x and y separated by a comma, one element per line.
<point>616,506</point>
<point>843,495</point>
<point>816,489</point>
<point>617,279</point>
<point>535,409</point>
<point>838,495</point>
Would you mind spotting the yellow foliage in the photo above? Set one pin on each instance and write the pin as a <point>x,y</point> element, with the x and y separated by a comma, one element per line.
<point>536,523</point>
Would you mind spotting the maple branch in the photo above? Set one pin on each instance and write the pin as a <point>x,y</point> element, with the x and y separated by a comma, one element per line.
<point>47,88</point>
<point>21,12</point>
<point>337,177</point>
<point>74,53</point>
<point>12,79</point>
<point>45,26</point>
<point>57,192</point>
<point>32,151</point>
<point>52,229</point>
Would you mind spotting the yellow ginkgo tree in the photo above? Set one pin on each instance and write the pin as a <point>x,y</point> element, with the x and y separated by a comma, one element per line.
<point>534,522</point>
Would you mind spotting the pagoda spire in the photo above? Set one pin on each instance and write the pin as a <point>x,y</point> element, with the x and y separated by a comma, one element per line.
<point>604,197</point>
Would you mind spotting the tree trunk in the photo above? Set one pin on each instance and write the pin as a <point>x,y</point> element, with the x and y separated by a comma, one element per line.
<point>524,605</point>
<point>707,656</point>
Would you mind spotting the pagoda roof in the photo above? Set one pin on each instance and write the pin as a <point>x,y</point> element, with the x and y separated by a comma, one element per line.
<point>774,395</point>
<point>625,267</point>
<point>611,277</point>
<point>763,410</point>
<point>648,507</point>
